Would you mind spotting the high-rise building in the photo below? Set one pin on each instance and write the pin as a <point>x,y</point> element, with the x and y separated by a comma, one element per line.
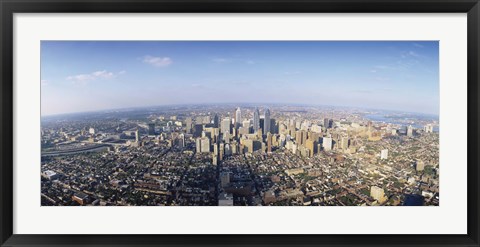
<point>262,125</point>
<point>409,131</point>
<point>137,136</point>
<point>304,137</point>
<point>202,145</point>
<point>311,145</point>
<point>256,120</point>
<point>428,128</point>
<point>344,143</point>
<point>269,142</point>
<point>188,125</point>
<point>225,126</point>
<point>246,124</point>
<point>384,154</point>
<point>227,150</point>
<point>326,123</point>
<point>151,129</point>
<point>197,130</point>
<point>327,143</point>
<point>221,152</point>
<point>248,143</point>
<point>298,137</point>
<point>238,117</point>
<point>215,121</point>
<point>181,140</point>
<point>91,131</point>
<point>215,149</point>
<point>267,122</point>
<point>198,145</point>
<point>273,126</point>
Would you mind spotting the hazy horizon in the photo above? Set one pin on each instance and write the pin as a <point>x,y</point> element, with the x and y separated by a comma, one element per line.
<point>236,104</point>
<point>84,76</point>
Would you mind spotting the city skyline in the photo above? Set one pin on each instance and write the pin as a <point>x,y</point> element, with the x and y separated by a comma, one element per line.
<point>234,156</point>
<point>93,76</point>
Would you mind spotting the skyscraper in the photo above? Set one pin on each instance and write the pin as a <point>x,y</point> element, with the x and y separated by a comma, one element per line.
<point>310,145</point>
<point>137,136</point>
<point>225,126</point>
<point>215,121</point>
<point>304,137</point>
<point>256,120</point>
<point>188,125</point>
<point>151,129</point>
<point>202,145</point>
<point>326,123</point>
<point>238,117</point>
<point>269,142</point>
<point>298,137</point>
<point>327,143</point>
<point>428,128</point>
<point>344,143</point>
<point>409,131</point>
<point>266,127</point>
<point>197,130</point>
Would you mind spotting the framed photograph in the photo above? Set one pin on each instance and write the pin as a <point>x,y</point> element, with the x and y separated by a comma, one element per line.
<point>214,123</point>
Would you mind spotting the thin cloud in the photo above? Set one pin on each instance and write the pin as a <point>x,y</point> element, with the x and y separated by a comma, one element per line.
<point>376,68</point>
<point>221,60</point>
<point>96,75</point>
<point>418,45</point>
<point>157,61</point>
<point>103,74</point>
<point>413,54</point>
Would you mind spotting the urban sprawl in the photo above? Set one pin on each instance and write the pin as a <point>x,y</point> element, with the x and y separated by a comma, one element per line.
<point>214,155</point>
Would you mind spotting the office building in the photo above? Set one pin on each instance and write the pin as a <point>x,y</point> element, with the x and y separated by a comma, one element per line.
<point>202,145</point>
<point>188,125</point>
<point>311,146</point>
<point>267,122</point>
<point>269,142</point>
<point>225,126</point>
<point>256,120</point>
<point>151,129</point>
<point>344,143</point>
<point>238,118</point>
<point>428,128</point>
<point>197,130</point>
<point>409,131</point>
<point>215,121</point>
<point>327,143</point>
<point>137,136</point>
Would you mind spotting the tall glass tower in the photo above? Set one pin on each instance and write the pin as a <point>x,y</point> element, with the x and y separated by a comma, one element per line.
<point>266,123</point>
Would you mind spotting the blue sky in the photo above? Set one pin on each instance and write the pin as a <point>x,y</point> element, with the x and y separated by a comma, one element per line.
<point>81,76</point>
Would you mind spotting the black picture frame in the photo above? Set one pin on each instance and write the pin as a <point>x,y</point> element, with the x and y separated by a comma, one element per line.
<point>10,7</point>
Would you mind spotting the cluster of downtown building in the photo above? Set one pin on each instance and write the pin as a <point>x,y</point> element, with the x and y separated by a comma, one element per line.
<point>242,156</point>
